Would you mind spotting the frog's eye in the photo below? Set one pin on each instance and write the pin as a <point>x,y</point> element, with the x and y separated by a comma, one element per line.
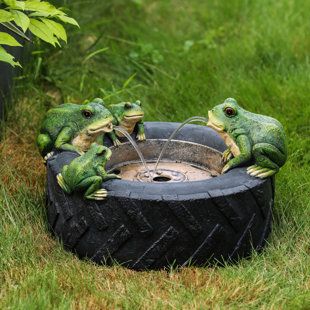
<point>87,113</point>
<point>128,105</point>
<point>230,111</point>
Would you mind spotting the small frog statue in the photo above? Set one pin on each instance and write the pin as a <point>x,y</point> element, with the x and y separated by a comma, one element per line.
<point>87,172</point>
<point>249,137</point>
<point>129,116</point>
<point>73,127</point>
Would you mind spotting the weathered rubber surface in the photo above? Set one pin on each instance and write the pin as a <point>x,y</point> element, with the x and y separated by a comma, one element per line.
<point>152,226</point>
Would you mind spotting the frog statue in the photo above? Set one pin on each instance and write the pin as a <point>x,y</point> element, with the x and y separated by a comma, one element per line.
<point>73,127</point>
<point>249,137</point>
<point>129,116</point>
<point>87,172</point>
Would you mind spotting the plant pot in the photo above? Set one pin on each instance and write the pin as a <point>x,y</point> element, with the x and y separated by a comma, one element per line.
<point>152,225</point>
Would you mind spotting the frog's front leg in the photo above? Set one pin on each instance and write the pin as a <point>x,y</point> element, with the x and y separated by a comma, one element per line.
<point>114,138</point>
<point>227,156</point>
<point>245,155</point>
<point>141,133</point>
<point>268,159</point>
<point>63,141</point>
<point>106,176</point>
<point>100,139</point>
<point>93,188</point>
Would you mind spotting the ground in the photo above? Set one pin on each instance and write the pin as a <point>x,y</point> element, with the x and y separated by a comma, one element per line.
<point>179,58</point>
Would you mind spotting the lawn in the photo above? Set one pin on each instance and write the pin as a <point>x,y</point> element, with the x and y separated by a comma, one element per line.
<point>179,58</point>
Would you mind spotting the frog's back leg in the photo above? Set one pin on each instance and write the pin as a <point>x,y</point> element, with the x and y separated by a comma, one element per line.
<point>268,155</point>
<point>268,160</point>
<point>92,186</point>
<point>62,183</point>
<point>44,143</point>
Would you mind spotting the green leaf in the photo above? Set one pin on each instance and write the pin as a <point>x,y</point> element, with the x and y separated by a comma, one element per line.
<point>40,30</point>
<point>7,39</point>
<point>37,14</point>
<point>15,29</point>
<point>5,16</point>
<point>8,58</point>
<point>21,19</point>
<point>57,29</point>
<point>91,55</point>
<point>42,7</point>
<point>128,81</point>
<point>9,2</point>
<point>68,20</point>
<point>13,4</point>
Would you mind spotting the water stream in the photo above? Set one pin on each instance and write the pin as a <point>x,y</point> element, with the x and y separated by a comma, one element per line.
<point>189,120</point>
<point>134,144</point>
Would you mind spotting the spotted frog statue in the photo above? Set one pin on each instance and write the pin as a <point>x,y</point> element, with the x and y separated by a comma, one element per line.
<point>129,116</point>
<point>73,127</point>
<point>249,137</point>
<point>87,172</point>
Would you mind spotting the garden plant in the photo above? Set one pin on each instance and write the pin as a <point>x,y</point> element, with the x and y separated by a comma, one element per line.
<point>41,18</point>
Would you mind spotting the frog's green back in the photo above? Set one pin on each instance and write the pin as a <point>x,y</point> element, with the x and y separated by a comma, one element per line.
<point>264,129</point>
<point>231,118</point>
<point>56,118</point>
<point>73,116</point>
<point>79,169</point>
<point>84,166</point>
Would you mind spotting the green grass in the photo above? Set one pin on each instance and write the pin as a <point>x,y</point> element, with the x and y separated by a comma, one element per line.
<point>179,58</point>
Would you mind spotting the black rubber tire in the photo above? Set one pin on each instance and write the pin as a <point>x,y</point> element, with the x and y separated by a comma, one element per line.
<point>152,226</point>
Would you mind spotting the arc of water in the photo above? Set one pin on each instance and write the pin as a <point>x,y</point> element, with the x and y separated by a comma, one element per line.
<point>189,120</point>
<point>136,147</point>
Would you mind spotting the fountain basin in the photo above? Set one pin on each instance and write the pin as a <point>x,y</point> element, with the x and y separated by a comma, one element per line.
<point>153,225</point>
<point>183,161</point>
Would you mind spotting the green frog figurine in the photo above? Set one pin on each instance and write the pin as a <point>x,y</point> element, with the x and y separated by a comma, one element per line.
<point>87,172</point>
<point>73,127</point>
<point>129,116</point>
<point>249,136</point>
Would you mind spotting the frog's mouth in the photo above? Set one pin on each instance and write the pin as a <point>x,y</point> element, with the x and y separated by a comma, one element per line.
<point>103,127</point>
<point>213,124</point>
<point>134,116</point>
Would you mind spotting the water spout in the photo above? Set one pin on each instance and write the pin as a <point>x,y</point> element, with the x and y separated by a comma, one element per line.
<point>189,120</point>
<point>136,147</point>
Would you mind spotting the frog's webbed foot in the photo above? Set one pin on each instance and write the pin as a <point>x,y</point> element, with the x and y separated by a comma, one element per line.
<point>99,194</point>
<point>141,136</point>
<point>113,176</point>
<point>226,168</point>
<point>227,156</point>
<point>110,176</point>
<point>260,172</point>
<point>116,142</point>
<point>48,156</point>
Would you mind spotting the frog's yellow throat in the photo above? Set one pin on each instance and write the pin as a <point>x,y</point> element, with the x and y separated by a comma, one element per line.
<point>86,137</point>
<point>230,143</point>
<point>129,123</point>
<point>212,123</point>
